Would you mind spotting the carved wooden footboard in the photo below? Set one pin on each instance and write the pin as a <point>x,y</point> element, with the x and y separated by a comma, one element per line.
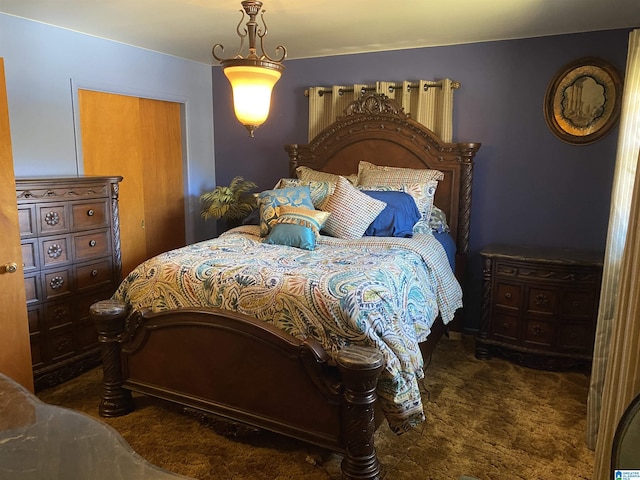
<point>243,370</point>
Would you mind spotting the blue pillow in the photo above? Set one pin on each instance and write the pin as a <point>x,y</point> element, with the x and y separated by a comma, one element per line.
<point>292,235</point>
<point>398,217</point>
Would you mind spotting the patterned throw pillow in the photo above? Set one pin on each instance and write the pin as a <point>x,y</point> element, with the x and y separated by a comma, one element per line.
<point>309,174</point>
<point>437,223</point>
<point>438,220</point>
<point>370,174</point>
<point>319,190</point>
<point>297,227</point>
<point>422,193</point>
<point>351,211</point>
<point>270,200</point>
<point>313,219</point>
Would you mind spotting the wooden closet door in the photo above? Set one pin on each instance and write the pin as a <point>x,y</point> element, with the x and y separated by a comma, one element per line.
<point>140,140</point>
<point>15,349</point>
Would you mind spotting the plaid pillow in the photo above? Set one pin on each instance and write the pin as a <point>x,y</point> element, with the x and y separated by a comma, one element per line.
<point>351,211</point>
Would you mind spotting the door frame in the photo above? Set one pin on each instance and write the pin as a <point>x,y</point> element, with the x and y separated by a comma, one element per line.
<point>191,203</point>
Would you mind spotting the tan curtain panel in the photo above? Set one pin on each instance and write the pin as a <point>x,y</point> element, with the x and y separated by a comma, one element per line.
<point>615,359</point>
<point>428,102</point>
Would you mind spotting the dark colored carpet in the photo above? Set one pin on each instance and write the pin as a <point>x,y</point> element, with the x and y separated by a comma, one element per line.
<point>485,419</point>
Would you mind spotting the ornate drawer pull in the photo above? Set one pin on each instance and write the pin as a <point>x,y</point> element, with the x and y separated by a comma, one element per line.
<point>92,243</point>
<point>56,283</point>
<point>59,313</point>
<point>52,218</point>
<point>542,299</point>
<point>507,295</point>
<point>94,272</point>
<point>576,304</point>
<point>90,212</point>
<point>54,251</point>
<point>537,329</point>
<point>505,325</point>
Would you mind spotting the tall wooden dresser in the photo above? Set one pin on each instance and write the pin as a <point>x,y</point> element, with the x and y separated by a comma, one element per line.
<point>70,236</point>
<point>539,305</point>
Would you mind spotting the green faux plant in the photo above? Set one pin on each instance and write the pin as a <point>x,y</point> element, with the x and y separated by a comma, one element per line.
<point>231,203</point>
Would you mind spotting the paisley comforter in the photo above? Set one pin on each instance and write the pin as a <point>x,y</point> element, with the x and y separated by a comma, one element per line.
<point>375,291</point>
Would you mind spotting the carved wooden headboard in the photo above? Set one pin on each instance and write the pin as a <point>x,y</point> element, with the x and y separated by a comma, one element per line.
<point>375,129</point>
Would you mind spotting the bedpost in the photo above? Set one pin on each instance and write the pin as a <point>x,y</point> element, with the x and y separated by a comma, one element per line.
<point>360,368</point>
<point>109,318</point>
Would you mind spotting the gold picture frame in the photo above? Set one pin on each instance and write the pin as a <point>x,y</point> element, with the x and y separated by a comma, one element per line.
<point>582,102</point>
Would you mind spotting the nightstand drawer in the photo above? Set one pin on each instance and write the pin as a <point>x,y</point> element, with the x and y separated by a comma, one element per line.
<point>507,295</point>
<point>505,326</point>
<point>542,300</point>
<point>577,303</point>
<point>539,333</point>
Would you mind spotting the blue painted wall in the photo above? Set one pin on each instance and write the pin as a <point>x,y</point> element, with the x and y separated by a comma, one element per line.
<point>44,67</point>
<point>529,187</point>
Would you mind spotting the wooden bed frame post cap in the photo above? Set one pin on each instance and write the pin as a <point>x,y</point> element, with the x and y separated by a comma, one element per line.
<point>109,317</point>
<point>360,368</point>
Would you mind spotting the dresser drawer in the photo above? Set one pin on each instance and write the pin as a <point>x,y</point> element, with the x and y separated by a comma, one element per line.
<point>57,314</point>
<point>93,275</point>
<point>33,287</point>
<point>27,221</point>
<point>52,218</point>
<point>36,319</point>
<point>30,255</point>
<point>92,244</point>
<point>88,215</point>
<point>55,250</point>
<point>60,344</point>
<point>57,283</point>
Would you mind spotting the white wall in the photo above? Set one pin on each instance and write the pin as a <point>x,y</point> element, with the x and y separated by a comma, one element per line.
<point>44,67</point>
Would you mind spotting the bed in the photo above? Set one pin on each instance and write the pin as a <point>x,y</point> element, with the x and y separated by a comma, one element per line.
<point>268,369</point>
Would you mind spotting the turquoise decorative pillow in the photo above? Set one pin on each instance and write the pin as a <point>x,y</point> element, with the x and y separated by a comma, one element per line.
<point>270,200</point>
<point>292,235</point>
<point>319,190</point>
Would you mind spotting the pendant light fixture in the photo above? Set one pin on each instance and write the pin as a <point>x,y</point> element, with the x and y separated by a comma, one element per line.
<point>252,77</point>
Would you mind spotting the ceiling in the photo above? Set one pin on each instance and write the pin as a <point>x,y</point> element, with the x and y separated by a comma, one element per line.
<point>189,28</point>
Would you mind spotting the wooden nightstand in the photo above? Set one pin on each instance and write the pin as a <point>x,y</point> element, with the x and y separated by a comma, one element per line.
<point>539,305</point>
